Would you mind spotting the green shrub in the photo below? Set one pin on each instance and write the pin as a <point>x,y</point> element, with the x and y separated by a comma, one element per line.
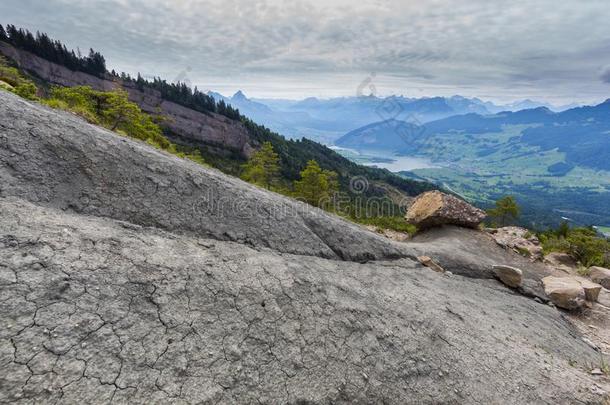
<point>10,75</point>
<point>55,103</point>
<point>16,82</point>
<point>583,244</point>
<point>26,90</point>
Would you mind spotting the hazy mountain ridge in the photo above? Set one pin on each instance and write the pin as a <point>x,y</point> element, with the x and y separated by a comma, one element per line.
<point>582,132</point>
<point>326,120</point>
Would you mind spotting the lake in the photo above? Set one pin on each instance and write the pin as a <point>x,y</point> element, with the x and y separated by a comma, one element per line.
<point>386,161</point>
<point>404,164</point>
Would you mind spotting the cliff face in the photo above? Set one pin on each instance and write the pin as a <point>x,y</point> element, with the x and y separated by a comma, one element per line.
<point>192,125</point>
<point>129,275</point>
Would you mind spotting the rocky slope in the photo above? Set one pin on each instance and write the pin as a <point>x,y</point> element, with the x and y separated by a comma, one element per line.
<point>130,275</point>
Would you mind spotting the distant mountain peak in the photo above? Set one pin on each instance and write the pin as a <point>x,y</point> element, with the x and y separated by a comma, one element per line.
<point>240,96</point>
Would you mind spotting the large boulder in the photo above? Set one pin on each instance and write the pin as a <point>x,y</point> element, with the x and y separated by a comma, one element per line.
<point>564,292</point>
<point>600,275</point>
<point>435,208</point>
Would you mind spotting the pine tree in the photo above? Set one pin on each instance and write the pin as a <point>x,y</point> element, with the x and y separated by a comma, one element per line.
<point>506,208</point>
<point>120,110</point>
<point>3,36</point>
<point>316,186</point>
<point>263,167</point>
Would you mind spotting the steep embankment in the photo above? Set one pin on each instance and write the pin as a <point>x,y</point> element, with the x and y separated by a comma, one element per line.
<point>210,128</point>
<point>97,308</point>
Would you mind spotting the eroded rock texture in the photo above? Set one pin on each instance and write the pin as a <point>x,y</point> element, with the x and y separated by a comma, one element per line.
<point>57,160</point>
<point>113,288</point>
<point>95,311</point>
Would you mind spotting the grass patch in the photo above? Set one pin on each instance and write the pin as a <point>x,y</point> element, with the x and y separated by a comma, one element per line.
<point>394,223</point>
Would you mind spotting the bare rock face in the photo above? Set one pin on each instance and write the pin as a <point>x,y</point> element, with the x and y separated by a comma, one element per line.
<point>102,311</point>
<point>129,276</point>
<point>435,208</point>
<point>565,292</point>
<point>520,240</point>
<point>511,276</point>
<point>600,275</point>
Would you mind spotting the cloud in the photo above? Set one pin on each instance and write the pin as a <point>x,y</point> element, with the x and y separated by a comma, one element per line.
<point>484,44</point>
<point>605,74</point>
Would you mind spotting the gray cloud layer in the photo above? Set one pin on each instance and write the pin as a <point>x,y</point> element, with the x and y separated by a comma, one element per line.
<point>545,48</point>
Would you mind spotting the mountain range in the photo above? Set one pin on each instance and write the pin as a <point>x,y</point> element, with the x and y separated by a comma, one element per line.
<point>545,158</point>
<point>581,133</point>
<point>326,120</point>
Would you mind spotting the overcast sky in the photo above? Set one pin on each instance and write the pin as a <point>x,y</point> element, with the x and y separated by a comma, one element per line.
<point>558,51</point>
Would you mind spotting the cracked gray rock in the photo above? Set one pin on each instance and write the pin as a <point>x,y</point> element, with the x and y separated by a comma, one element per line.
<point>57,160</point>
<point>112,291</point>
<point>96,312</point>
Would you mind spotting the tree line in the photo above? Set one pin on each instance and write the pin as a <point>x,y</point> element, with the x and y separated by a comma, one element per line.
<point>53,50</point>
<point>94,63</point>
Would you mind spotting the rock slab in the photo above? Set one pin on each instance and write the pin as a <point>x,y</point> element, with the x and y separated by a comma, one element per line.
<point>94,311</point>
<point>511,276</point>
<point>520,240</point>
<point>56,159</point>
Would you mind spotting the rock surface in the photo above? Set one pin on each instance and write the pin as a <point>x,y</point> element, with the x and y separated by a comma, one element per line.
<point>565,292</point>
<point>96,310</point>
<point>66,163</point>
<point>435,208</point>
<point>473,253</point>
<point>520,240</point>
<point>600,275</point>
<point>113,289</point>
<point>511,276</point>
<point>592,289</point>
<point>561,261</point>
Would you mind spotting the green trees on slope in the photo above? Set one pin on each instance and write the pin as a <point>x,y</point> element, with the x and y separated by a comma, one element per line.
<point>112,110</point>
<point>317,186</point>
<point>263,167</point>
<point>506,209</point>
<point>54,51</point>
<point>582,243</point>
